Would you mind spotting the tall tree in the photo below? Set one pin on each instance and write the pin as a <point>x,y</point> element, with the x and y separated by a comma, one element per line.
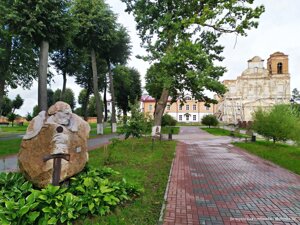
<point>84,78</point>
<point>67,61</point>
<point>68,97</point>
<point>117,50</point>
<point>42,22</point>
<point>95,22</point>
<point>127,87</point>
<point>17,103</point>
<point>181,38</point>
<point>18,65</point>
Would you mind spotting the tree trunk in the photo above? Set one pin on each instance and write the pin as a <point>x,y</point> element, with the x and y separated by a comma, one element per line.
<point>2,92</point>
<point>124,116</point>
<point>62,93</point>
<point>105,99</point>
<point>64,73</point>
<point>96,94</point>
<point>113,107</point>
<point>42,76</point>
<point>159,111</point>
<point>85,104</point>
<point>4,66</point>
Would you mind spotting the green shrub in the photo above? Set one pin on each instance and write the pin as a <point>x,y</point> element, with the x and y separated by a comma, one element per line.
<point>280,123</point>
<point>168,120</point>
<point>136,125</point>
<point>91,192</point>
<point>210,120</point>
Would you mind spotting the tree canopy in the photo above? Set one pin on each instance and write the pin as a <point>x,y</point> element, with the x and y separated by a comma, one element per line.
<point>181,38</point>
<point>127,87</point>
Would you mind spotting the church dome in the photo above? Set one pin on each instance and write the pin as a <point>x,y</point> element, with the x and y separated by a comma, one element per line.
<point>256,59</point>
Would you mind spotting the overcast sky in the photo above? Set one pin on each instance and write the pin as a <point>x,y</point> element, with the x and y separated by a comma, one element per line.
<point>278,31</point>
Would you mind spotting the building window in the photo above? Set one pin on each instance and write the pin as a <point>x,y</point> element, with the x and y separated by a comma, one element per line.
<point>194,107</point>
<point>187,117</point>
<point>194,117</point>
<point>207,107</point>
<point>187,107</point>
<point>180,107</point>
<point>150,107</point>
<point>180,117</point>
<point>168,107</point>
<point>108,103</point>
<point>279,68</point>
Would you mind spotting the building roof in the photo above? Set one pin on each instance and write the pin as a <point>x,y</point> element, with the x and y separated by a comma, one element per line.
<point>256,59</point>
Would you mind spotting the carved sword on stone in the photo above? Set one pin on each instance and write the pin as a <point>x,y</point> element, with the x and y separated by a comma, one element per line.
<point>57,162</point>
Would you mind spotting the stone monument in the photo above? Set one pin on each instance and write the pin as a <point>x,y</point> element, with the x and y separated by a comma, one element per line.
<point>54,134</point>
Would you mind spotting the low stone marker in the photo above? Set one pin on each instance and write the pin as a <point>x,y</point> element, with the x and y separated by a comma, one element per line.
<point>49,137</point>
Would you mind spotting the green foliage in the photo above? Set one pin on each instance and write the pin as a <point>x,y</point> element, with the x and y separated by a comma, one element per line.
<point>9,106</point>
<point>136,125</point>
<point>168,120</point>
<point>141,165</point>
<point>92,192</point>
<point>11,118</point>
<point>28,117</point>
<point>17,103</point>
<point>127,85</point>
<point>280,123</point>
<point>209,120</point>
<point>6,107</point>
<point>35,111</point>
<point>181,37</point>
<point>295,94</point>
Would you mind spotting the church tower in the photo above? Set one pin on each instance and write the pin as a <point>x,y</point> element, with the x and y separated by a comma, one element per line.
<point>278,63</point>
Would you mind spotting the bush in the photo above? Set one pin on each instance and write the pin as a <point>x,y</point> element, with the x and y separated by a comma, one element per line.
<point>279,124</point>
<point>209,120</point>
<point>136,125</point>
<point>168,120</point>
<point>91,192</point>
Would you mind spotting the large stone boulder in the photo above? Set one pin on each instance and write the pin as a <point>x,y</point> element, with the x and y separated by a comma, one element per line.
<point>47,135</point>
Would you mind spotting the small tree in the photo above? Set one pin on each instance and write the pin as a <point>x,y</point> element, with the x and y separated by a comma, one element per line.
<point>137,124</point>
<point>11,118</point>
<point>168,120</point>
<point>28,116</point>
<point>280,123</point>
<point>210,120</point>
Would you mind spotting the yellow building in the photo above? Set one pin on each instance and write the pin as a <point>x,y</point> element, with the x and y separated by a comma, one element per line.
<point>191,111</point>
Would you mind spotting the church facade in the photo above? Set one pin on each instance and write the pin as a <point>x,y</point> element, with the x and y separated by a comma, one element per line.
<point>256,87</point>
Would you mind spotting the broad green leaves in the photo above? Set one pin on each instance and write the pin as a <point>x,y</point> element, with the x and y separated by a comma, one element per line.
<point>90,192</point>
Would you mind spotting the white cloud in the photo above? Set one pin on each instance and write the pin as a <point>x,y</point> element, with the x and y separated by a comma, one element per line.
<point>277,31</point>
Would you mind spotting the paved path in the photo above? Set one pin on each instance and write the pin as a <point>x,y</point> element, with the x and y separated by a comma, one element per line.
<point>9,163</point>
<point>213,182</point>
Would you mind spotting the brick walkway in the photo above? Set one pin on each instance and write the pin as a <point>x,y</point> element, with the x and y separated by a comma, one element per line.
<point>212,182</point>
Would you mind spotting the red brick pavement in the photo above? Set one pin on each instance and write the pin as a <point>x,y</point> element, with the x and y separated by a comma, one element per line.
<point>215,183</point>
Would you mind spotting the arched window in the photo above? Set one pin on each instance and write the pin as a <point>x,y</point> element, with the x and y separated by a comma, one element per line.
<point>279,68</point>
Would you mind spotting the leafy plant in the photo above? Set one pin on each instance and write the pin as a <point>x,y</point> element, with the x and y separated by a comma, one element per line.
<point>138,124</point>
<point>210,120</point>
<point>168,120</point>
<point>91,192</point>
<point>280,123</point>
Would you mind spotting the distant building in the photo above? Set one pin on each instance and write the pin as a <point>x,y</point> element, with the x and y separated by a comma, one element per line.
<point>191,111</point>
<point>256,87</point>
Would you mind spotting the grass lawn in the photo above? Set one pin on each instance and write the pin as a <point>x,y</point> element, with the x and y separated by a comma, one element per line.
<point>281,154</point>
<point>139,164</point>
<point>8,147</point>
<point>222,132</point>
<point>4,131</point>
<point>188,124</point>
<point>166,130</point>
